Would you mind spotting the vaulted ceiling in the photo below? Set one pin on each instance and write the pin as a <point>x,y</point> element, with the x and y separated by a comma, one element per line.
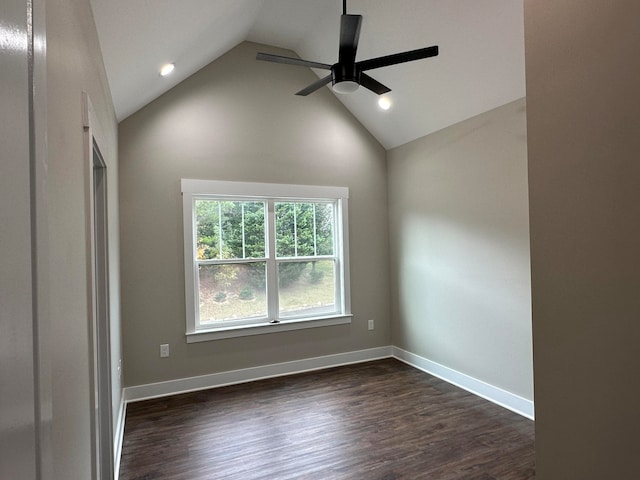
<point>480,66</point>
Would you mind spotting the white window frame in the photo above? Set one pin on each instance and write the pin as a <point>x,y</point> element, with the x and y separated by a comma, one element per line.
<point>270,192</point>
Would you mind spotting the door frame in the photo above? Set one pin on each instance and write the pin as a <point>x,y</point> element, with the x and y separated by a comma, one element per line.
<point>98,296</point>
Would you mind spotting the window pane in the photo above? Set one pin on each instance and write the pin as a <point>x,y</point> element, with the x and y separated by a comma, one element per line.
<point>207,230</point>
<point>232,292</point>
<point>231,229</point>
<point>324,228</point>
<point>254,244</point>
<point>304,230</point>
<point>241,225</point>
<point>285,229</point>
<point>306,288</point>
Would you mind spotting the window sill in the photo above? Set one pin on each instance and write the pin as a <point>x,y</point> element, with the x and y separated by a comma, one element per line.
<point>283,326</point>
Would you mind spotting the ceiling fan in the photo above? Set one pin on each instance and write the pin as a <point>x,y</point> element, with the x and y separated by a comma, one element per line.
<point>347,75</point>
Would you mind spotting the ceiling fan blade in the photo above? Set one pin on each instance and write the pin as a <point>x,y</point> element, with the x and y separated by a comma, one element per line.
<point>314,86</point>
<point>398,58</point>
<point>349,36</point>
<point>267,57</point>
<point>373,85</point>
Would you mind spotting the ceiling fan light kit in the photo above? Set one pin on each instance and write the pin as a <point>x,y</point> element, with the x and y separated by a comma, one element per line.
<point>345,86</point>
<point>347,75</point>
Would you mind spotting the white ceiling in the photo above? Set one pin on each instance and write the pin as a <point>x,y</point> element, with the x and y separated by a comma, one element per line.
<point>480,66</point>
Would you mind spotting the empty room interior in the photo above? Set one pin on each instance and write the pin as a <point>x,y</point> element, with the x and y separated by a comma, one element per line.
<point>320,239</point>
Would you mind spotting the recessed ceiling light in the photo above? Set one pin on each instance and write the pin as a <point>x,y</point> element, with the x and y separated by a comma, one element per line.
<point>384,103</point>
<point>167,69</point>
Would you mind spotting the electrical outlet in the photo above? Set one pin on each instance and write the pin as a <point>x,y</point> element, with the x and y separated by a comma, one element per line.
<point>164,350</point>
<point>371,325</point>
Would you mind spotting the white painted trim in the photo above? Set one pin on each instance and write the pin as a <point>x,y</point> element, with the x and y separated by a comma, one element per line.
<point>283,326</point>
<point>190,272</point>
<point>91,123</point>
<point>271,190</point>
<point>100,378</point>
<point>501,397</point>
<point>343,246</point>
<point>119,437</point>
<point>496,395</point>
<point>193,190</point>
<point>184,385</point>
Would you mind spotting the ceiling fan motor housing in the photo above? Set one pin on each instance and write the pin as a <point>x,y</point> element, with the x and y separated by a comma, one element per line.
<point>345,78</point>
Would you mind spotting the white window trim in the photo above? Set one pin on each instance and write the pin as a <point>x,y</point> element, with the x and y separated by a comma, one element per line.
<point>194,188</point>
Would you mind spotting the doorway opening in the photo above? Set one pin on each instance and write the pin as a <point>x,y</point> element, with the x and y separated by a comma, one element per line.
<point>100,325</point>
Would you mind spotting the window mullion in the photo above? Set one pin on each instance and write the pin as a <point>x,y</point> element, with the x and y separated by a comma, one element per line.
<point>219,229</point>
<point>315,235</point>
<point>295,230</point>
<point>272,268</point>
<point>231,261</point>
<point>244,255</point>
<point>307,258</point>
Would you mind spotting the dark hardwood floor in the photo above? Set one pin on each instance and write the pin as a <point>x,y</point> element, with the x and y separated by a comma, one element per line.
<point>381,420</point>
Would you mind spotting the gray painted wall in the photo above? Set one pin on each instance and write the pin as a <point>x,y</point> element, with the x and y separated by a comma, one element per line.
<point>459,231</point>
<point>584,181</point>
<point>238,119</point>
<point>74,65</point>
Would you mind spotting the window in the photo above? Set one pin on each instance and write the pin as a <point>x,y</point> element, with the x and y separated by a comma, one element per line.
<point>261,258</point>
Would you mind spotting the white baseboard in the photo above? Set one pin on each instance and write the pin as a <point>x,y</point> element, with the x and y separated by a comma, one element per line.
<point>119,436</point>
<point>184,385</point>
<point>501,397</point>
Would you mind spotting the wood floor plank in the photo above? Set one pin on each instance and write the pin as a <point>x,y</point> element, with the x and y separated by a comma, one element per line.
<point>381,420</point>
